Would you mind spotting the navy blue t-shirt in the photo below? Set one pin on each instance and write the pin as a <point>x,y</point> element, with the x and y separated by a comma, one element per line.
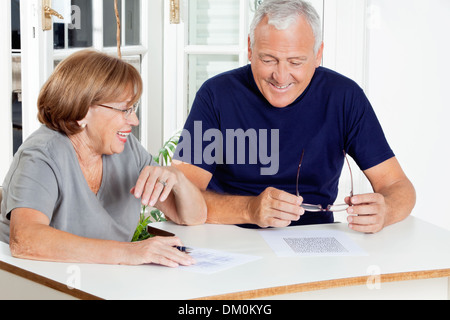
<point>248,145</point>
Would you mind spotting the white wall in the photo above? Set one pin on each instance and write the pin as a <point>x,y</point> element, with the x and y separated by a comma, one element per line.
<point>345,52</point>
<point>408,84</point>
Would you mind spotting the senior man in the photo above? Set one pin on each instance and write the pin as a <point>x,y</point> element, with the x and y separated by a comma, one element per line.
<point>315,116</point>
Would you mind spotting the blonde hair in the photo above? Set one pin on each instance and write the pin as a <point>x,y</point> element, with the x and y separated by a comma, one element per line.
<point>84,79</point>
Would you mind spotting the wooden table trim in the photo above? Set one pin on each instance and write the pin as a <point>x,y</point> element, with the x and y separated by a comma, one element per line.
<point>246,295</point>
<point>55,285</point>
<point>329,284</point>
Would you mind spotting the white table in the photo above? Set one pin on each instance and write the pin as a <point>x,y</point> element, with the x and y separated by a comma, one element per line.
<point>408,260</point>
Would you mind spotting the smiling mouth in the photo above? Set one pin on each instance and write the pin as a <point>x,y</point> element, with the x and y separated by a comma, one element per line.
<point>280,87</point>
<point>123,135</point>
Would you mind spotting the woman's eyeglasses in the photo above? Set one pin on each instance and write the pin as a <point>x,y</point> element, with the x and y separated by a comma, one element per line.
<point>127,112</point>
<point>318,207</point>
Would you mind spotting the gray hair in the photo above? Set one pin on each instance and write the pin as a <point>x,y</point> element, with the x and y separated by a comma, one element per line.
<point>283,13</point>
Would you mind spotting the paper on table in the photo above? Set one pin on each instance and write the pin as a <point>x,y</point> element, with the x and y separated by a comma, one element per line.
<point>291,243</point>
<point>212,261</point>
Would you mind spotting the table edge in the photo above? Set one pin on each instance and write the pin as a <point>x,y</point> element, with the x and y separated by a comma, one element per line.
<point>250,294</point>
<point>52,284</point>
<point>329,284</point>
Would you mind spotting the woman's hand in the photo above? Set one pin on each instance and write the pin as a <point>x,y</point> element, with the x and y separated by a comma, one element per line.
<point>158,250</point>
<point>168,190</point>
<point>155,184</point>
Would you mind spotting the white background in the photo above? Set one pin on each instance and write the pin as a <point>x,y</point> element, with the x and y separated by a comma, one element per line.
<point>408,84</point>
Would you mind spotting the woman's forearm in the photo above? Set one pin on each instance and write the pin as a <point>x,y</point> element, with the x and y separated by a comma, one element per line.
<point>188,205</point>
<point>32,238</point>
<point>37,241</point>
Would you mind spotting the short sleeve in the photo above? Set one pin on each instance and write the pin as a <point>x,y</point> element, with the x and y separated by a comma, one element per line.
<point>366,142</point>
<point>142,156</point>
<point>32,184</point>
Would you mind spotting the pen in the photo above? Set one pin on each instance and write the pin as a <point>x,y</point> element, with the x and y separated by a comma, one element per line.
<point>184,249</point>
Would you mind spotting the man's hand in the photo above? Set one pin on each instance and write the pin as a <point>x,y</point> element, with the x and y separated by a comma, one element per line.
<point>367,212</point>
<point>274,208</point>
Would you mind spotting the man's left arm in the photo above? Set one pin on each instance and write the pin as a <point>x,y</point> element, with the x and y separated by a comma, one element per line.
<point>393,199</point>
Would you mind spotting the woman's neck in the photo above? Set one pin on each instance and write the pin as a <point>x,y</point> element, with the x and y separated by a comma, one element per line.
<point>86,153</point>
<point>91,162</point>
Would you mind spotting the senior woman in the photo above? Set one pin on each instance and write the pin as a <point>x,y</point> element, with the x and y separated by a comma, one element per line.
<point>75,188</point>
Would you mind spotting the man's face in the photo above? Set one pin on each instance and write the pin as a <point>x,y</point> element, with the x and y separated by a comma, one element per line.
<point>283,61</point>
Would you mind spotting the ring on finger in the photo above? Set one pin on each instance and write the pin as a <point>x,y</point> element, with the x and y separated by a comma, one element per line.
<point>163,183</point>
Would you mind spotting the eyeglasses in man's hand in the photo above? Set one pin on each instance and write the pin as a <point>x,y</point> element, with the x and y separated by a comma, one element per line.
<point>318,207</point>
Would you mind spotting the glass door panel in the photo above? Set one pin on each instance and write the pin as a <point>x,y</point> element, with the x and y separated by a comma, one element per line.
<point>214,22</point>
<point>130,19</point>
<point>133,22</point>
<point>213,43</point>
<point>110,23</point>
<point>204,67</point>
<point>78,34</point>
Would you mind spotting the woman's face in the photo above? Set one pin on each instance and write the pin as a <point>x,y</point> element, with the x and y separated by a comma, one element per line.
<point>107,129</point>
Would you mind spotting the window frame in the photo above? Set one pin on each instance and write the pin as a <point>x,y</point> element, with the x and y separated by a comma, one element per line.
<point>38,56</point>
<point>177,51</point>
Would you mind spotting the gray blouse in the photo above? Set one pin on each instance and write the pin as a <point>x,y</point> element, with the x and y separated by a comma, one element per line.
<point>46,176</point>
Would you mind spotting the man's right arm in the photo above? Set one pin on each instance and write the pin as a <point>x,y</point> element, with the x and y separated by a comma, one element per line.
<point>272,208</point>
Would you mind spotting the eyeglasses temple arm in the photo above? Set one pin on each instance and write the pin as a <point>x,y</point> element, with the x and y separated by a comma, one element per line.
<point>298,172</point>
<point>351,174</point>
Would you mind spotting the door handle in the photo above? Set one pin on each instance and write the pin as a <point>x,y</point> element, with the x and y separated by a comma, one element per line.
<point>47,14</point>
